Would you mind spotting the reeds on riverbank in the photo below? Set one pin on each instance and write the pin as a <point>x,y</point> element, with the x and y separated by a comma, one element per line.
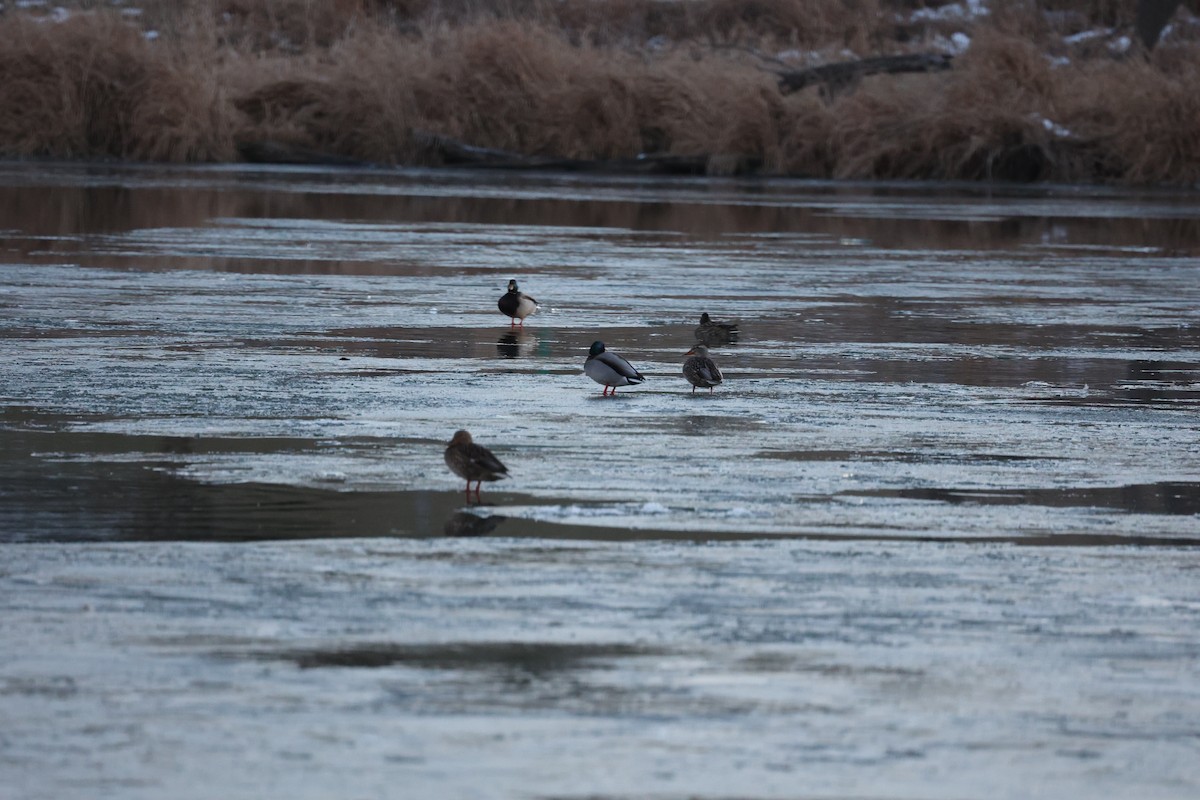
<point>1033,93</point>
<point>96,88</point>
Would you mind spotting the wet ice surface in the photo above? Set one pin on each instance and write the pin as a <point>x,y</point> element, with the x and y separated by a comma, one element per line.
<point>198,368</point>
<point>877,386</point>
<point>533,668</point>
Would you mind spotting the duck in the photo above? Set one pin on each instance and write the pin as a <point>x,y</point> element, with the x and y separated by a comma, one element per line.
<point>516,304</point>
<point>700,369</point>
<point>711,332</point>
<point>609,369</point>
<point>474,462</point>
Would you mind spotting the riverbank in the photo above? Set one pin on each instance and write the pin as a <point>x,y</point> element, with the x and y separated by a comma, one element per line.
<point>1058,93</point>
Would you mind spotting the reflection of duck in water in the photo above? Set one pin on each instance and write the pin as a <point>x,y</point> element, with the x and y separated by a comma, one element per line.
<point>700,370</point>
<point>516,304</point>
<point>464,523</point>
<point>714,333</point>
<point>609,369</point>
<point>473,462</point>
<point>514,344</point>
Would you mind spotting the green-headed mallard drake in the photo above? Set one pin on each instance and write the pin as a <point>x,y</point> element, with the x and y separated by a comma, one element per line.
<point>474,462</point>
<point>516,304</point>
<point>710,332</point>
<point>700,369</point>
<point>609,369</point>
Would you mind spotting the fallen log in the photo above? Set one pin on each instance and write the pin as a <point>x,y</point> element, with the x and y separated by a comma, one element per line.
<point>836,78</point>
<point>452,152</point>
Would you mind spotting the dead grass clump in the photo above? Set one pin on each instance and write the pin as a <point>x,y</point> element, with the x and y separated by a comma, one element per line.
<point>604,79</point>
<point>530,90</point>
<point>632,23</point>
<point>623,23</point>
<point>492,84</point>
<point>1142,123</point>
<point>1006,113</point>
<point>521,88</point>
<point>361,101</point>
<point>714,106</point>
<point>806,147</point>
<point>808,23</point>
<point>525,88</point>
<point>289,26</point>
<point>985,120</point>
<point>93,88</point>
<point>1001,66</point>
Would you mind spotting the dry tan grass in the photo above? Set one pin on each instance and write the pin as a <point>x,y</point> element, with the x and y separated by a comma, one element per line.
<point>981,121</point>
<point>513,87</point>
<point>600,79</point>
<point>1152,135</point>
<point>92,87</point>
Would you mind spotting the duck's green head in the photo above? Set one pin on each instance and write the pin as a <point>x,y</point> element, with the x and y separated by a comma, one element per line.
<point>597,348</point>
<point>512,286</point>
<point>704,318</point>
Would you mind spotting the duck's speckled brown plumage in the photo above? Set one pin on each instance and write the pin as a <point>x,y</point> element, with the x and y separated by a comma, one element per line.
<point>473,462</point>
<point>700,370</point>
<point>713,333</point>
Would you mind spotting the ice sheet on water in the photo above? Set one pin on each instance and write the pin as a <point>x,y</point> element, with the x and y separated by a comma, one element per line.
<point>909,367</point>
<point>345,668</point>
<point>1047,348</point>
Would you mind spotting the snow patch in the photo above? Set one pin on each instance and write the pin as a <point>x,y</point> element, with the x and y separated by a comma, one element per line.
<point>1087,36</point>
<point>575,511</point>
<point>971,9</point>
<point>1057,130</point>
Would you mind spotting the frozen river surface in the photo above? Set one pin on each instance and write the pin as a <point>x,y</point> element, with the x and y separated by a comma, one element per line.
<point>935,536</point>
<point>537,668</point>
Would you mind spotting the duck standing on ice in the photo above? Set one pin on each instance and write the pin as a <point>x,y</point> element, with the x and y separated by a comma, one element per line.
<point>609,369</point>
<point>516,304</point>
<point>700,370</point>
<point>474,462</point>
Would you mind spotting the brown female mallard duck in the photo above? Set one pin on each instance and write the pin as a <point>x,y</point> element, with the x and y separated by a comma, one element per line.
<point>474,462</point>
<point>710,332</point>
<point>700,369</point>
